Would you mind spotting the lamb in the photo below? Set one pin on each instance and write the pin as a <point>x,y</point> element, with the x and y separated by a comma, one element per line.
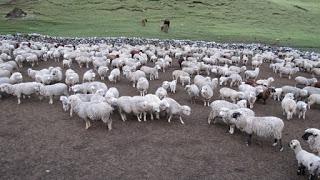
<point>277,94</point>
<point>251,74</point>
<point>16,77</point>
<point>155,102</point>
<point>288,105</point>
<point>268,126</point>
<point>103,71</point>
<point>301,109</point>
<point>20,89</point>
<point>72,77</point>
<point>114,75</point>
<point>57,89</point>
<point>173,86</point>
<point>185,80</point>
<point>265,82</point>
<point>152,72</point>
<point>193,92</point>
<point>161,92</point>
<point>304,158</point>
<point>313,99</point>
<point>172,107</point>
<point>226,114</point>
<point>66,63</point>
<point>207,93</point>
<point>92,111</point>
<point>312,136</point>
<point>230,93</point>
<point>143,85</point>
<point>89,76</point>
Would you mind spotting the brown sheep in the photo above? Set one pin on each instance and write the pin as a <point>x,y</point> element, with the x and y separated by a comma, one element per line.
<point>251,82</point>
<point>165,25</point>
<point>317,84</point>
<point>265,94</point>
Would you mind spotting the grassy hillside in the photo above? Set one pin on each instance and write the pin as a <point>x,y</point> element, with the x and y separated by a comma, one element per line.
<point>284,22</point>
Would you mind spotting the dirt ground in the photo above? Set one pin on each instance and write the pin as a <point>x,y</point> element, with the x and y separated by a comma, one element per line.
<point>41,141</point>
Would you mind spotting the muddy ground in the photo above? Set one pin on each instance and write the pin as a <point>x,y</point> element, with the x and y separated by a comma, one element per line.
<point>41,141</point>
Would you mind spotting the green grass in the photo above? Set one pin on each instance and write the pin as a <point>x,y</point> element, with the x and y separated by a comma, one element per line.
<point>282,22</point>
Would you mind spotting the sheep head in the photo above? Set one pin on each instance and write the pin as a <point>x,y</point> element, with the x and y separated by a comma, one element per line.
<point>186,110</point>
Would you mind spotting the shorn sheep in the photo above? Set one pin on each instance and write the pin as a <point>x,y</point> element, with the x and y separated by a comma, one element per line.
<point>312,136</point>
<point>306,160</point>
<point>268,126</point>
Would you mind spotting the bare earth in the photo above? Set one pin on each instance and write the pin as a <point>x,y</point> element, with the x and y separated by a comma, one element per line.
<point>41,141</point>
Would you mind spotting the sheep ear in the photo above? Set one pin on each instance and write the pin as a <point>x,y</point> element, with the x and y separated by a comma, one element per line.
<point>236,115</point>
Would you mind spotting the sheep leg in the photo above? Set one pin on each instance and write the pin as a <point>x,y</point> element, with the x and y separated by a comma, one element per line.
<point>144,116</point>
<point>169,119</point>
<point>249,139</point>
<point>231,129</point>
<point>50,101</point>
<point>138,118</point>
<point>109,124</point>
<point>211,116</point>
<point>181,120</point>
<point>151,116</point>
<point>157,115</point>
<point>87,124</point>
<point>19,101</point>
<point>301,170</point>
<point>304,115</point>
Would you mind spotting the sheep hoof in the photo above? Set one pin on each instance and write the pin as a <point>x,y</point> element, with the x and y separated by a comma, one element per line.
<point>281,149</point>
<point>274,144</point>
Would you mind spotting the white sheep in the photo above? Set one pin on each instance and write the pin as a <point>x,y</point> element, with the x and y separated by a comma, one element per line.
<point>66,101</point>
<point>251,74</point>
<point>111,93</point>
<point>89,76</point>
<point>230,93</point>
<point>185,80</point>
<point>277,94</point>
<point>297,92</point>
<point>114,75</point>
<point>66,63</point>
<point>172,107</point>
<point>103,72</point>
<point>177,73</point>
<point>304,158</point>
<point>206,93</point>
<point>161,92</point>
<point>15,77</point>
<point>216,107</point>
<point>268,126</point>
<point>143,85</point>
<point>313,99</point>
<point>21,89</point>
<point>173,86</point>
<point>88,87</point>
<point>193,92</point>
<point>301,109</point>
<point>288,105</point>
<point>235,80</point>
<point>202,81</point>
<point>226,115</point>
<point>72,77</point>
<point>92,111</point>
<point>288,71</point>
<point>305,81</point>
<point>57,89</point>
<point>312,136</point>
<point>311,90</point>
<point>151,72</point>
<point>265,82</point>
<point>135,76</point>
<point>4,73</point>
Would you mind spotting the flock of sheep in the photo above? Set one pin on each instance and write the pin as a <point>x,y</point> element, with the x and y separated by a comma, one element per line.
<point>237,68</point>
